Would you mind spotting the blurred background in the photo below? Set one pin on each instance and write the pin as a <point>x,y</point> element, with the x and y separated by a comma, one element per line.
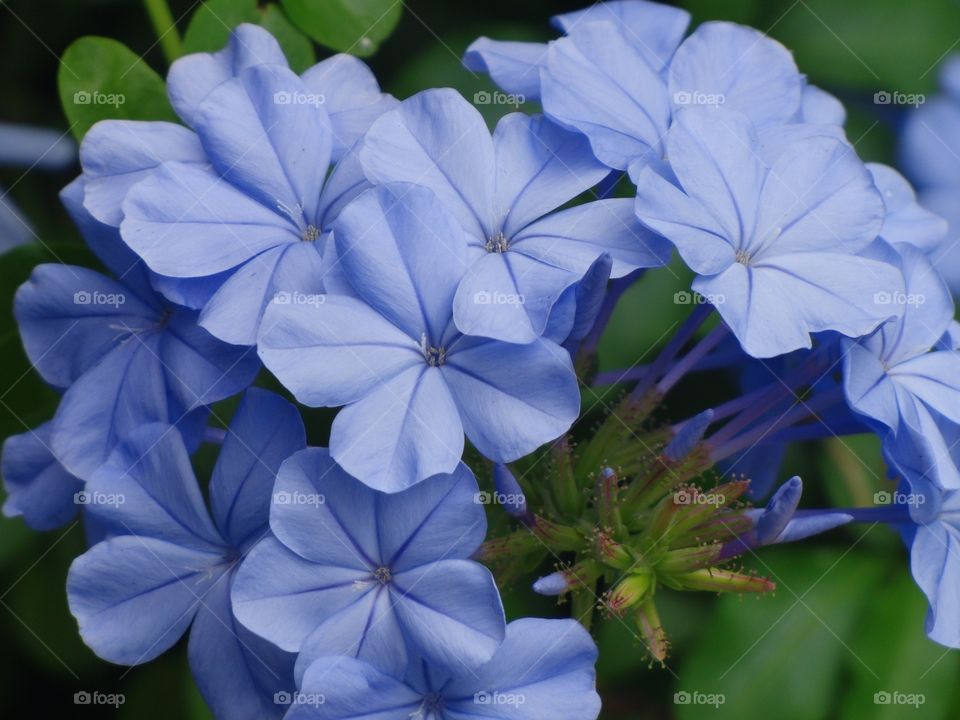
<point>846,621</point>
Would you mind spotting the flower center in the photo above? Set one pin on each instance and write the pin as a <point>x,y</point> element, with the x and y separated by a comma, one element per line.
<point>435,356</point>
<point>498,243</point>
<point>430,708</point>
<point>743,257</point>
<point>311,233</point>
<point>383,575</point>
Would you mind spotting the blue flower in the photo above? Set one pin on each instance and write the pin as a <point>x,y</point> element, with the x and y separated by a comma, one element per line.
<point>167,566</point>
<point>606,82</point>
<point>905,220</point>
<point>897,378</point>
<point>412,383</point>
<point>934,542</point>
<point>929,148</point>
<point>775,247</point>
<point>352,571</point>
<point>521,256</point>
<point>39,488</point>
<point>515,66</point>
<point>237,209</point>
<point>544,669</point>
<point>124,355</point>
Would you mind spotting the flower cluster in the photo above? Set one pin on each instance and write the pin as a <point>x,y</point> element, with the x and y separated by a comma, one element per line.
<point>439,283</point>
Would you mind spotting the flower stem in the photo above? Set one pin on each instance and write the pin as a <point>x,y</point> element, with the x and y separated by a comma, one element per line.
<point>166,28</point>
<point>670,351</point>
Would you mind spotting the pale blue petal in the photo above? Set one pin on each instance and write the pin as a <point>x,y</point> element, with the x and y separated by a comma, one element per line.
<point>439,140</point>
<point>38,487</point>
<point>513,398</point>
<point>597,81</point>
<point>264,431</point>
<point>193,77</point>
<point>404,254</point>
<point>750,72</point>
<point>134,597</point>
<point>117,154</point>
<point>357,348</point>
<point>351,97</point>
<point>513,66</point>
<point>406,430</point>
<point>353,690</point>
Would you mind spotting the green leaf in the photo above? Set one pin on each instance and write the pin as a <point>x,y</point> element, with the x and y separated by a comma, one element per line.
<point>883,45</point>
<point>211,25</point>
<point>100,78</point>
<point>354,26</point>
<point>296,46</point>
<point>782,652</point>
<point>895,659</point>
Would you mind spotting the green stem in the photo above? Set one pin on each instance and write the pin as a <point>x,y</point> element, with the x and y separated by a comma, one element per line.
<point>165,27</point>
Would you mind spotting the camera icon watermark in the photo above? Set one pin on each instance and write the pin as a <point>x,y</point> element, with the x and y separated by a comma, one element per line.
<point>95,297</point>
<point>95,497</point>
<point>899,298</point>
<point>494,697</point>
<point>296,497</point>
<point>485,497</point>
<point>299,298</point>
<point>685,297</point>
<point>693,497</point>
<point>86,697</point>
<point>886,97</point>
<point>485,297</point>
<point>685,697</point>
<point>299,698</point>
<point>885,497</point>
<point>484,97</point>
<point>895,697</point>
<point>95,97</point>
<point>298,98</point>
<point>697,98</point>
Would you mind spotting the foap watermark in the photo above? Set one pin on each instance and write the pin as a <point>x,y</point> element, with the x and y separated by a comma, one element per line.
<point>95,297</point>
<point>485,297</point>
<point>298,498</point>
<point>885,497</point>
<point>96,97</point>
<point>299,698</point>
<point>285,97</point>
<point>95,697</point>
<point>895,697</point>
<point>493,697</point>
<point>885,97</point>
<point>692,497</point>
<point>299,298</point>
<point>685,697</point>
<point>695,97</point>
<point>96,497</point>
<point>498,498</point>
<point>685,297</point>
<point>484,97</point>
<point>899,298</point>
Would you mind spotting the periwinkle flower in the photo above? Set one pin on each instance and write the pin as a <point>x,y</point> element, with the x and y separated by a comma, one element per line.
<point>905,220</point>
<point>237,209</point>
<point>355,572</point>
<point>169,566</point>
<point>515,66</point>
<point>777,247</point>
<point>124,355</point>
<point>543,669</point>
<point>503,189</point>
<point>605,82</point>
<point>411,382</point>
<point>39,489</point>
<point>897,377</point>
